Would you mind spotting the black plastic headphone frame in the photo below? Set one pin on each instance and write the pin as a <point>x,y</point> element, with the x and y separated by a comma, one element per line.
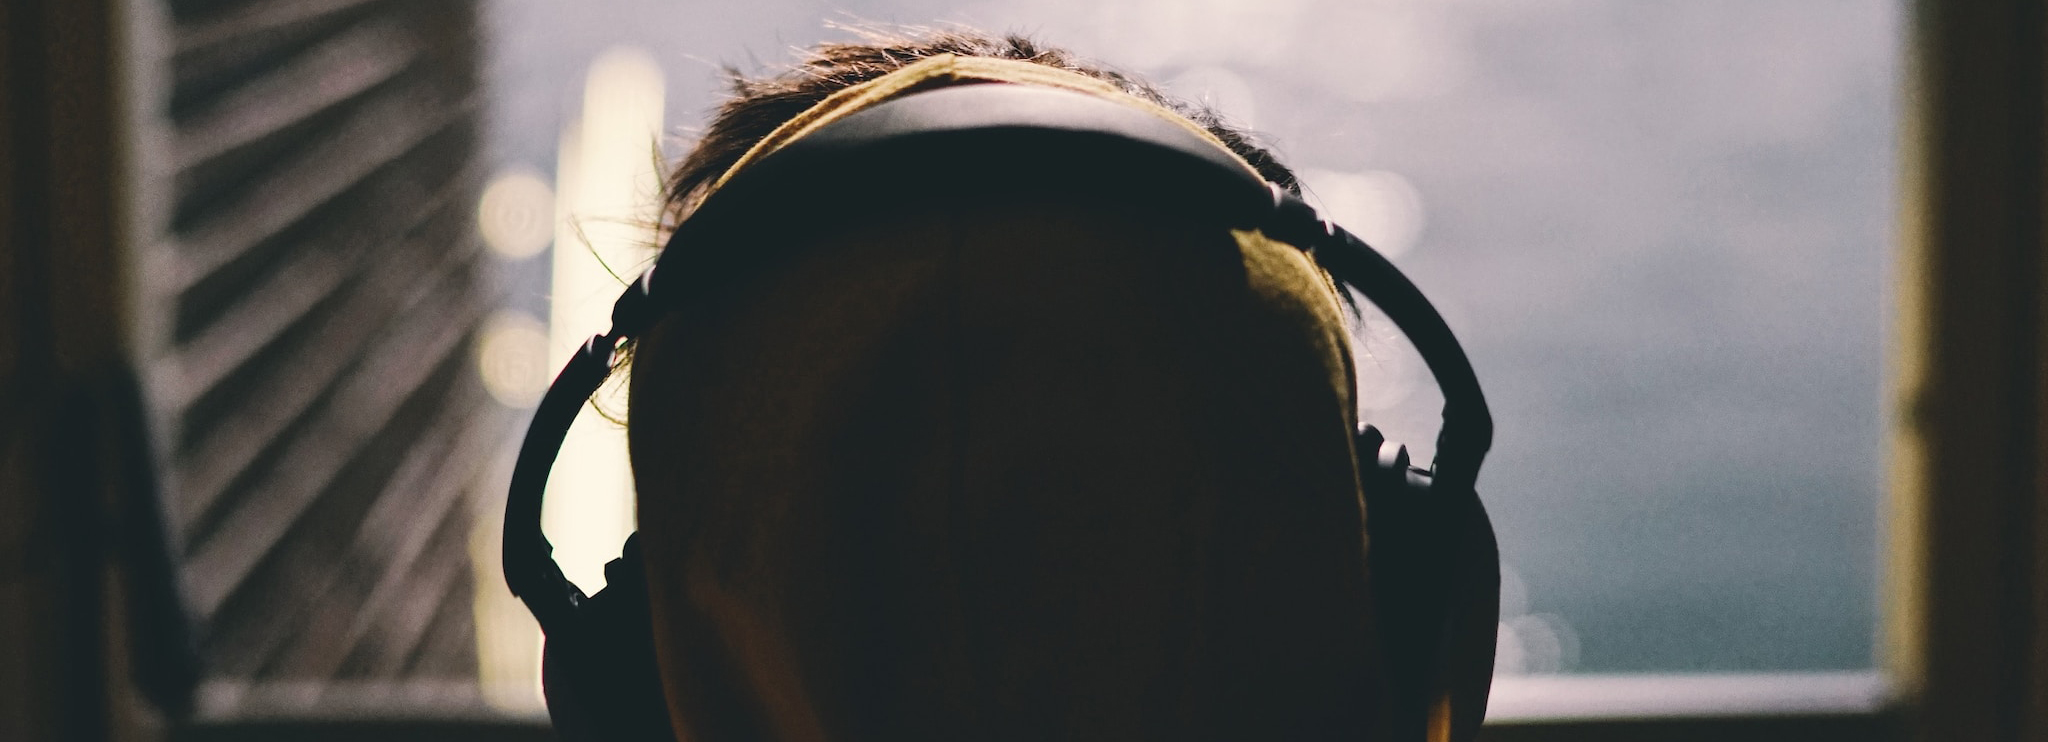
<point>600,676</point>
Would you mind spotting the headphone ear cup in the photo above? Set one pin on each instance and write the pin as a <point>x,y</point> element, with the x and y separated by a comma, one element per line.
<point>1472,630</point>
<point>598,673</point>
<point>1411,566</point>
<point>1436,592</point>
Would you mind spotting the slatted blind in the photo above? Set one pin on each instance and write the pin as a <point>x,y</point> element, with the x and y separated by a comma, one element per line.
<point>319,288</point>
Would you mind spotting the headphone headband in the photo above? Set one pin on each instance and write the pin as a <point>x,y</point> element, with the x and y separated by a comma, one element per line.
<point>1040,137</point>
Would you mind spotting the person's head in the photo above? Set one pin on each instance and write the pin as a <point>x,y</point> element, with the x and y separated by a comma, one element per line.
<point>1026,465</point>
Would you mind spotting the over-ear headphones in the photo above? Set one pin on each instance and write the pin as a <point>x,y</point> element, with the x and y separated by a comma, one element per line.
<point>1433,563</point>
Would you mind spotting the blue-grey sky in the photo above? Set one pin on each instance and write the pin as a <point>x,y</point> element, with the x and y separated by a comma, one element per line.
<point>1664,229</point>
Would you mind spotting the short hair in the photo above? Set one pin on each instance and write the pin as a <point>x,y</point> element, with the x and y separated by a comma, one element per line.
<point>760,104</point>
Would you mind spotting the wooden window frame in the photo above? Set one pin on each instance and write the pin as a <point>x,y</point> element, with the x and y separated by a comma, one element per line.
<point>1963,646</point>
<point>1964,642</point>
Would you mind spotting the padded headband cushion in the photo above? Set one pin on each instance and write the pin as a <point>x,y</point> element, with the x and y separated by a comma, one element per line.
<point>1026,139</point>
<point>948,70</point>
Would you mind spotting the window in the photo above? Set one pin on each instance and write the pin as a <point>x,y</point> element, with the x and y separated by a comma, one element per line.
<point>90,186</point>
<point>1663,230</point>
<point>1764,126</point>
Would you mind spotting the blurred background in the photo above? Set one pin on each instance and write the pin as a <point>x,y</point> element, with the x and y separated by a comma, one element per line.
<point>1664,231</point>
<point>287,278</point>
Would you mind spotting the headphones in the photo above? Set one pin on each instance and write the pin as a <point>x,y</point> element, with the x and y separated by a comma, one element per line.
<point>1432,558</point>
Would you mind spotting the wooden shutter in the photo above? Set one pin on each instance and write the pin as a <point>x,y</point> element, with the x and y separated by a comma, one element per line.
<point>316,296</point>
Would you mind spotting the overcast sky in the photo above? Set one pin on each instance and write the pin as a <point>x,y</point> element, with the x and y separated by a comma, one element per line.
<point>1664,230</point>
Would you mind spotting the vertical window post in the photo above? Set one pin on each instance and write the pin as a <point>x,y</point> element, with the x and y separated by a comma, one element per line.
<point>1968,554</point>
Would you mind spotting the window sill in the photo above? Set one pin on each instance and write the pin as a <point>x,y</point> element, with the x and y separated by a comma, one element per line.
<point>1759,707</point>
<point>1764,707</point>
<point>1521,699</point>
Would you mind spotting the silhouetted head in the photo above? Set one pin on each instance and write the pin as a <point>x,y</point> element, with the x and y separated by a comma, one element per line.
<point>998,462</point>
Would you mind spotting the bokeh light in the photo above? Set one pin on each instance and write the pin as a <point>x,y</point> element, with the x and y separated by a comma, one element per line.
<point>1379,206</point>
<point>517,214</point>
<point>1221,90</point>
<point>512,358</point>
<point>1535,644</point>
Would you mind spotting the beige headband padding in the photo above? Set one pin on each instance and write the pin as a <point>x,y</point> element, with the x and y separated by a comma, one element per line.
<point>945,70</point>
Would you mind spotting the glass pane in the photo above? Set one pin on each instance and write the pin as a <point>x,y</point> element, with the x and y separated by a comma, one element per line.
<point>1662,228</point>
